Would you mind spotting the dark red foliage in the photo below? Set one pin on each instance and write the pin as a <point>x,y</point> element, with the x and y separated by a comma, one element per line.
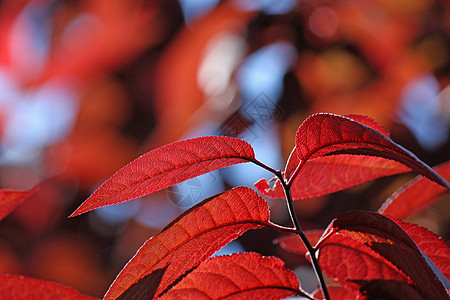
<point>361,246</point>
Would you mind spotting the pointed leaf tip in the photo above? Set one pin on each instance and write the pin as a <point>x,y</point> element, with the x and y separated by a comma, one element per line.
<point>167,166</point>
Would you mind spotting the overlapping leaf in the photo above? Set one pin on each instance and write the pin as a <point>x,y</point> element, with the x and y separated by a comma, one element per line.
<point>324,175</point>
<point>10,199</point>
<point>364,246</point>
<point>430,244</point>
<point>327,134</point>
<point>238,276</point>
<point>24,288</point>
<point>332,173</point>
<point>192,238</point>
<point>167,166</point>
<point>294,161</point>
<point>369,122</point>
<point>418,194</point>
<point>346,260</point>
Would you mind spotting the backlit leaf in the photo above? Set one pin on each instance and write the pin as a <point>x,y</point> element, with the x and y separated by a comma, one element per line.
<point>369,122</point>
<point>430,244</point>
<point>24,288</point>
<point>238,276</point>
<point>193,237</point>
<point>167,166</point>
<point>330,174</point>
<point>294,161</point>
<point>10,199</point>
<point>361,245</point>
<point>345,260</point>
<point>327,134</point>
<point>416,195</point>
<point>324,175</point>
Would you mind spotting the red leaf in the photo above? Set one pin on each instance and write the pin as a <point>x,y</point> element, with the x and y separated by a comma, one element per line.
<point>329,174</point>
<point>336,292</point>
<point>327,134</point>
<point>416,195</point>
<point>294,244</point>
<point>293,160</point>
<point>324,175</point>
<point>430,244</point>
<point>20,287</point>
<point>346,260</point>
<point>238,276</point>
<point>10,199</point>
<point>193,237</point>
<point>363,246</point>
<point>369,122</point>
<point>167,166</point>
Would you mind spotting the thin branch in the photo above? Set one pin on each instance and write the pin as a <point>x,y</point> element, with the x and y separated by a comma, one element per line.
<point>298,229</point>
<point>301,234</point>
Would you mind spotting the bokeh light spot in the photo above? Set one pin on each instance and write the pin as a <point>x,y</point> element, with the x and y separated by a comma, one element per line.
<point>323,22</point>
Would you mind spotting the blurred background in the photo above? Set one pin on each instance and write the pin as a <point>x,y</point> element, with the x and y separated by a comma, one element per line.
<point>87,86</point>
